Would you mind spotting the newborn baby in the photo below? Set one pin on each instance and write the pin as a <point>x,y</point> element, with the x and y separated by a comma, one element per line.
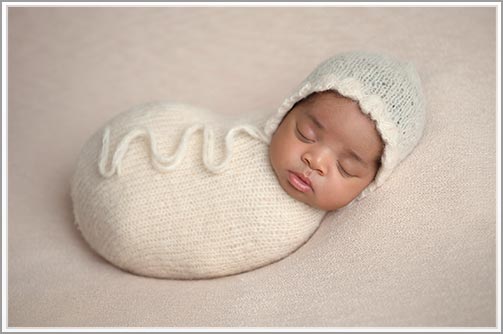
<point>173,191</point>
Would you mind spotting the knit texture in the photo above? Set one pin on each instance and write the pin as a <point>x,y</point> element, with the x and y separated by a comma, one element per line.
<point>172,191</point>
<point>387,89</point>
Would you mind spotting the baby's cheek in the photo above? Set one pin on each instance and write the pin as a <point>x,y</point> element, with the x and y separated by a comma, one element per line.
<point>324,197</point>
<point>277,155</point>
<point>333,195</point>
<point>281,147</point>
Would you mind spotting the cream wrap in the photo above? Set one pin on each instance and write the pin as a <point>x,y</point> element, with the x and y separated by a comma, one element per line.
<point>173,191</point>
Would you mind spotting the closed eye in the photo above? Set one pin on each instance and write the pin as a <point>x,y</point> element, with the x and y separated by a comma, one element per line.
<point>343,171</point>
<point>302,137</point>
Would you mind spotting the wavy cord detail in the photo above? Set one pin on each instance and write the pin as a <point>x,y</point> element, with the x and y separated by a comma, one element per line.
<point>169,163</point>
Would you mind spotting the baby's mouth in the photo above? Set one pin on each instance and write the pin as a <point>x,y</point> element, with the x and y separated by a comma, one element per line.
<point>299,182</point>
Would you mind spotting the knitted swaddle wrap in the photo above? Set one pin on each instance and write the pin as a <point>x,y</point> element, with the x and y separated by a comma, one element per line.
<point>171,191</point>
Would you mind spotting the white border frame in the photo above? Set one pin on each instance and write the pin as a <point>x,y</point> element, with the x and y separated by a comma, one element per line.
<point>6,5</point>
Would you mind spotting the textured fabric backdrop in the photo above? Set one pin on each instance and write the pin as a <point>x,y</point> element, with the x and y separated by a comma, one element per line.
<point>420,251</point>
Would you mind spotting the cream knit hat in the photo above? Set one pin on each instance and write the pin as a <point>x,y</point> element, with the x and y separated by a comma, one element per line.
<point>387,90</point>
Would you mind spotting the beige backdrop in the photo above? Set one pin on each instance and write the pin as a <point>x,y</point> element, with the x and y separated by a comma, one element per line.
<point>421,251</point>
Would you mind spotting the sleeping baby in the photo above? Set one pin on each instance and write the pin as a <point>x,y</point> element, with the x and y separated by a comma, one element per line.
<point>169,190</point>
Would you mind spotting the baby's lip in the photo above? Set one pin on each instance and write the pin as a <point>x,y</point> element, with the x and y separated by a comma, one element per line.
<point>304,180</point>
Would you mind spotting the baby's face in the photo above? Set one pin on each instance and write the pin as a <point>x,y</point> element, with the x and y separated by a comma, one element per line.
<point>326,151</point>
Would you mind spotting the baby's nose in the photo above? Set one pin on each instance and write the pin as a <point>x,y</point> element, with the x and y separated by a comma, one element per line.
<point>317,161</point>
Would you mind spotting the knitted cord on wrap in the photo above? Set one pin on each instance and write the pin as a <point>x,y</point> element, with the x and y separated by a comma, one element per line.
<point>169,163</point>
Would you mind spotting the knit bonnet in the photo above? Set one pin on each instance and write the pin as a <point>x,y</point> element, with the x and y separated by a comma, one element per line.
<point>386,89</point>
